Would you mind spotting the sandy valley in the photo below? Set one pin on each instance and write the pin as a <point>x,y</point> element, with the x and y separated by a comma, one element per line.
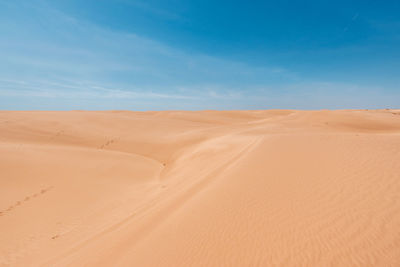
<point>201,188</point>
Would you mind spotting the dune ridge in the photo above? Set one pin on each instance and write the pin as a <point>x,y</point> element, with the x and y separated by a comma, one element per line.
<point>200,188</point>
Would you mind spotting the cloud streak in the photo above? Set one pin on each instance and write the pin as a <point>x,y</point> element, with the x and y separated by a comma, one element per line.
<point>77,50</point>
<point>56,60</point>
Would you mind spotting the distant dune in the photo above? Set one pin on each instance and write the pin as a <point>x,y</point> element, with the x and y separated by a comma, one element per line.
<point>205,188</point>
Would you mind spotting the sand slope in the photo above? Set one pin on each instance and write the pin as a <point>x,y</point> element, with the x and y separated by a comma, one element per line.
<point>207,188</point>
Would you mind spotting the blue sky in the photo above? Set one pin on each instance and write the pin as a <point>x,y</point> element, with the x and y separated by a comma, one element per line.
<point>199,54</point>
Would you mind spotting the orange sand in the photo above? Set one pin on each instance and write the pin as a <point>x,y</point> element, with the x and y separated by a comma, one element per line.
<point>207,188</point>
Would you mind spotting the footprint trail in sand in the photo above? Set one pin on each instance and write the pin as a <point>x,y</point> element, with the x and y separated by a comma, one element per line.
<point>205,188</point>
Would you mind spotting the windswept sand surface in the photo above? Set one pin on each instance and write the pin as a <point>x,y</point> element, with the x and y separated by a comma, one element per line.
<point>209,188</point>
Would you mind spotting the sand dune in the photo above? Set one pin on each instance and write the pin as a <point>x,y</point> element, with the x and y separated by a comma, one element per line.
<point>206,188</point>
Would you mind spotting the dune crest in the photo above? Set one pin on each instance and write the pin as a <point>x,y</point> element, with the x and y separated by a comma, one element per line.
<point>201,188</point>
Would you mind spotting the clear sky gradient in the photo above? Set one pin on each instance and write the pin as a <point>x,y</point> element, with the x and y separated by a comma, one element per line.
<point>199,54</point>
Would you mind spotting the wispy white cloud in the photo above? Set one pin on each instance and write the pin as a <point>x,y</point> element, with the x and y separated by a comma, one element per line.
<point>59,61</point>
<point>65,48</point>
<point>63,90</point>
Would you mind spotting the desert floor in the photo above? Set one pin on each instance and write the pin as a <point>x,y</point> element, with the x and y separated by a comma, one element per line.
<point>204,188</point>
